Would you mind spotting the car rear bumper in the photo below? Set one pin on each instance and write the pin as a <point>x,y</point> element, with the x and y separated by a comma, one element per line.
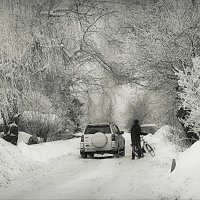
<point>99,152</point>
<point>89,148</point>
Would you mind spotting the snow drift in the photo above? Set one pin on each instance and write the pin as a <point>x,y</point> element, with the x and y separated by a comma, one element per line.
<point>163,148</point>
<point>23,158</point>
<point>188,163</point>
<point>182,183</point>
<point>184,180</point>
<point>44,152</point>
<point>12,163</point>
<point>23,137</point>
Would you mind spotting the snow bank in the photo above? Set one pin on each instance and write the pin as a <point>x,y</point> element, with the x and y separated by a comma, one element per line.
<point>188,163</point>
<point>23,137</point>
<point>44,152</point>
<point>12,164</point>
<point>16,160</point>
<point>184,180</point>
<point>163,132</point>
<point>182,183</point>
<point>163,149</point>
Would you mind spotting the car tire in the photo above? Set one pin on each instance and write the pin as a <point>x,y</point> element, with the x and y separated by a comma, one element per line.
<point>116,155</point>
<point>83,155</point>
<point>91,155</point>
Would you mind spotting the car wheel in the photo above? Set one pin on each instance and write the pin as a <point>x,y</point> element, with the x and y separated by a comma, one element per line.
<point>83,155</point>
<point>91,155</point>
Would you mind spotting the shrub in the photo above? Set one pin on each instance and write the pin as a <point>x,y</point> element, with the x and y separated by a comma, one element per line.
<point>189,94</point>
<point>178,138</point>
<point>44,125</point>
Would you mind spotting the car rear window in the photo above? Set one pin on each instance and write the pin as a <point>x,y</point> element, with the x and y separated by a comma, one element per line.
<point>91,129</point>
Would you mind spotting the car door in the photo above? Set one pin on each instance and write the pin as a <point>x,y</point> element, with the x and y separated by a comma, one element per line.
<point>118,136</point>
<point>121,139</point>
<point>115,133</point>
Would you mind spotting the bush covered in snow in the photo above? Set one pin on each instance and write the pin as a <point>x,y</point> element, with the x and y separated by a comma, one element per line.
<point>175,136</point>
<point>172,135</point>
<point>189,82</point>
<point>44,125</point>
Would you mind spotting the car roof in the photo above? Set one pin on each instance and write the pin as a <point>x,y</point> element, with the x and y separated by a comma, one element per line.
<point>149,125</point>
<point>100,123</point>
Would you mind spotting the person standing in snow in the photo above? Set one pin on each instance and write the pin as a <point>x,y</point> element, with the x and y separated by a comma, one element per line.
<point>14,132</point>
<point>11,131</point>
<point>6,135</point>
<point>135,138</point>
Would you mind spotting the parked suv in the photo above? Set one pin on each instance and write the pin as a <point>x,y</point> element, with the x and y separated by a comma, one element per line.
<point>101,138</point>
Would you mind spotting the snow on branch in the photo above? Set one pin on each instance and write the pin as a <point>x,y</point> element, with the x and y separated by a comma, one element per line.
<point>189,83</point>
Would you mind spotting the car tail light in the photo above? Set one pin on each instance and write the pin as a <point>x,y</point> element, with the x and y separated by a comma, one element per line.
<point>113,137</point>
<point>82,138</point>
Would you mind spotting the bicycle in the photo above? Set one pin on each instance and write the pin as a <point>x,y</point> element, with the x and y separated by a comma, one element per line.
<point>135,152</point>
<point>144,145</point>
<point>147,146</point>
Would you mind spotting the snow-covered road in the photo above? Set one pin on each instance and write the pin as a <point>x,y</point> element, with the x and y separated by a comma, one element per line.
<point>68,176</point>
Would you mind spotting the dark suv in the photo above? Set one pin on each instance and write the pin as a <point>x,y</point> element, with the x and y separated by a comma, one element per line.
<point>101,138</point>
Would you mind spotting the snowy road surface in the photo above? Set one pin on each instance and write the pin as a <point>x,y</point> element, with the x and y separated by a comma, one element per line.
<point>68,176</point>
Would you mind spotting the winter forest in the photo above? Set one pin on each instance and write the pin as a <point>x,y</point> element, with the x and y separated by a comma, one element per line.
<point>64,63</point>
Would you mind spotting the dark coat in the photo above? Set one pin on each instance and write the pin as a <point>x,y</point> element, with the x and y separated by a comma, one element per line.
<point>135,133</point>
<point>11,133</point>
<point>14,129</point>
<point>14,133</point>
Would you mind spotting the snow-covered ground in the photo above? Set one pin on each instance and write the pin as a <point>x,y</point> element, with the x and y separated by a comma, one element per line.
<point>54,170</point>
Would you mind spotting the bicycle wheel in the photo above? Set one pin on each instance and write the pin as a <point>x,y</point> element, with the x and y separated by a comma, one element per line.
<point>150,149</point>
